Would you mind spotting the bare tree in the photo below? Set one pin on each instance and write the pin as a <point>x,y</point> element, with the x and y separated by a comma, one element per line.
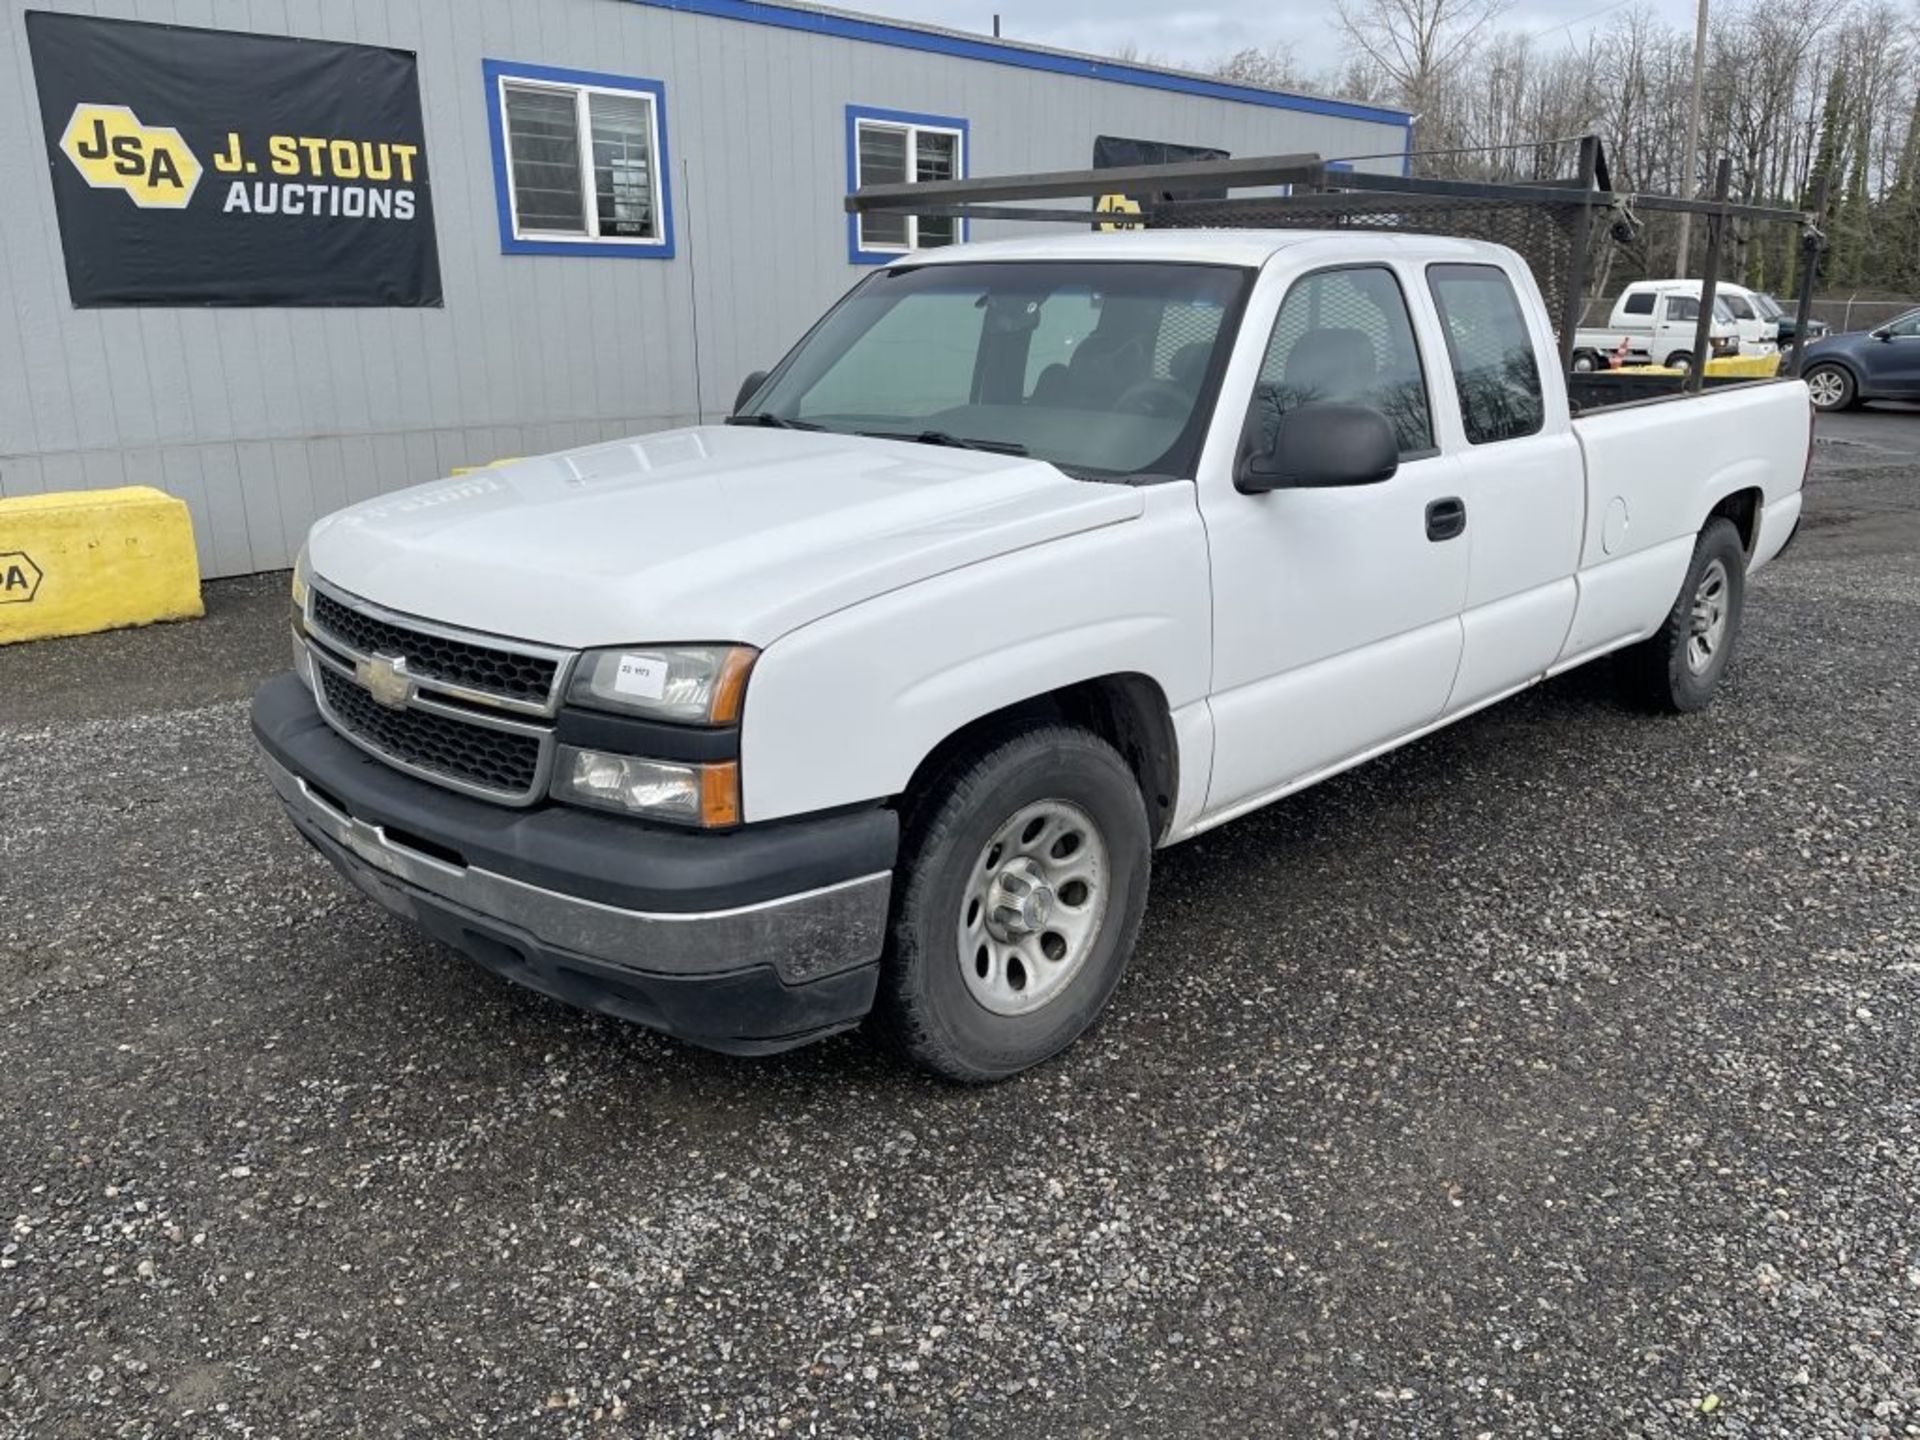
<point>1416,44</point>
<point>1272,67</point>
<point>1790,88</point>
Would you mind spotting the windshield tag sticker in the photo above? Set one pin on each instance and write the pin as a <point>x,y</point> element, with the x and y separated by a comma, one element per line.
<point>642,675</point>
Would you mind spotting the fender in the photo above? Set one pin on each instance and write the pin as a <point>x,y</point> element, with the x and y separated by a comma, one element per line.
<point>844,710</point>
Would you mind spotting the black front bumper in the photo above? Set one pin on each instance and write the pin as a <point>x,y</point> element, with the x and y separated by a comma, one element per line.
<point>750,941</point>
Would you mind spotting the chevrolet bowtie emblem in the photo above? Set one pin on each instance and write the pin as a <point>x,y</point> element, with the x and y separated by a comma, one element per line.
<point>385,678</point>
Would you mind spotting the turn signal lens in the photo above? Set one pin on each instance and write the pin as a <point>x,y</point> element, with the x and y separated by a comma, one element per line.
<point>720,794</point>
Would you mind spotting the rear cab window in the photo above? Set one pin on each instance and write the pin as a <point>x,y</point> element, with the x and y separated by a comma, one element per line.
<point>1496,372</point>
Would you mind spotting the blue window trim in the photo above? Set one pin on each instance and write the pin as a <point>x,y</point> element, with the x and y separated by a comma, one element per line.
<point>857,113</point>
<point>999,52</point>
<point>510,244</point>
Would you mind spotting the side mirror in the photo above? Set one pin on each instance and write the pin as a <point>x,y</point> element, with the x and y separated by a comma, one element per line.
<point>1880,335</point>
<point>749,387</point>
<point>1319,446</point>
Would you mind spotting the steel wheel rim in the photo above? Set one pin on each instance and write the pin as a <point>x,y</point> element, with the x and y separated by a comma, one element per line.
<point>1033,907</point>
<point>1825,388</point>
<point>1707,627</point>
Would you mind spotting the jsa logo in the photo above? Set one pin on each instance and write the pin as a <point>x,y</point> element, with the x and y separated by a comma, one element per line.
<point>114,151</point>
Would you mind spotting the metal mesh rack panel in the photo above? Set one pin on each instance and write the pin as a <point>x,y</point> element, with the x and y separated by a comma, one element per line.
<point>1542,233</point>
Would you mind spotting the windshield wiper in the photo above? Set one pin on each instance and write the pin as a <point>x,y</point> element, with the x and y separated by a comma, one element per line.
<point>773,421</point>
<point>957,442</point>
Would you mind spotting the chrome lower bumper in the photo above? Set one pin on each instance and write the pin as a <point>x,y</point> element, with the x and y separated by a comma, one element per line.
<point>802,936</point>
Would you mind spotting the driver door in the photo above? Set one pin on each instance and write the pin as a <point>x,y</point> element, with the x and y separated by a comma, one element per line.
<point>1336,612</point>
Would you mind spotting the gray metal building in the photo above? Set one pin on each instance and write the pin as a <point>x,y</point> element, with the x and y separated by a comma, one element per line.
<point>723,238</point>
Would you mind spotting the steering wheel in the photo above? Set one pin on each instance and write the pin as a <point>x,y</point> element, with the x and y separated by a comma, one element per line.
<point>1160,398</point>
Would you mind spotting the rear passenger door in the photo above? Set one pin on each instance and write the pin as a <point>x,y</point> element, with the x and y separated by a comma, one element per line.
<point>1336,611</point>
<point>1522,473</point>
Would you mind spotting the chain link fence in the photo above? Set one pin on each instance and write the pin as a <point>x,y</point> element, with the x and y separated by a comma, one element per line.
<point>1840,312</point>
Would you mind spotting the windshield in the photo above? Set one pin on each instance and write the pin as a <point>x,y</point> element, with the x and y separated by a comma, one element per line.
<point>1104,368</point>
<point>1768,307</point>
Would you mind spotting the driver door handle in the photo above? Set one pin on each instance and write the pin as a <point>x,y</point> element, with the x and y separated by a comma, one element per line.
<point>1446,518</point>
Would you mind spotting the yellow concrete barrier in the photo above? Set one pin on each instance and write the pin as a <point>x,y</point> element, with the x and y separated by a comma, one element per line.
<point>1750,367</point>
<point>87,560</point>
<point>469,469</point>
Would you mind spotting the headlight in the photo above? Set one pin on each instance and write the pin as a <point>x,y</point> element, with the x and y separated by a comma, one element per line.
<point>706,795</point>
<point>300,573</point>
<point>693,684</point>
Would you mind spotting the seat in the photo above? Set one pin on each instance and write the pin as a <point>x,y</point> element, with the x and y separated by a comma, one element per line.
<point>1188,365</point>
<point>1099,371</point>
<point>1330,365</point>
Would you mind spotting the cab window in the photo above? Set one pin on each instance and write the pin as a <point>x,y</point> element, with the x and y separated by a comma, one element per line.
<point>1345,336</point>
<point>1495,370</point>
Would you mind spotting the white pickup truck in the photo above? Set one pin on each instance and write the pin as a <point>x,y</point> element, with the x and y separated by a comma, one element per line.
<point>1030,558</point>
<point>1654,323</point>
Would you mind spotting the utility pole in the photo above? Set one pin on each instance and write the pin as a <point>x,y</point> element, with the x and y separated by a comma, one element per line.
<point>1693,135</point>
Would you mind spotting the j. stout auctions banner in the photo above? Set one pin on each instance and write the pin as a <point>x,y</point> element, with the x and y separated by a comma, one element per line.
<point>204,167</point>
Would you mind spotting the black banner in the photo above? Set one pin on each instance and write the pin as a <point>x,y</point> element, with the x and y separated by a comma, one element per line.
<point>1113,151</point>
<point>206,167</point>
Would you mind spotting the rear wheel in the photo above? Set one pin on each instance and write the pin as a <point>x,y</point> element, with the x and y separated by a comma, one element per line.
<point>1829,387</point>
<point>1017,904</point>
<point>1585,362</point>
<point>1679,667</point>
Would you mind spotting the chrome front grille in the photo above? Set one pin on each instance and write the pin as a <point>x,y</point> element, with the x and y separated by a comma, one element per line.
<point>471,712</point>
<point>484,669</point>
<point>499,761</point>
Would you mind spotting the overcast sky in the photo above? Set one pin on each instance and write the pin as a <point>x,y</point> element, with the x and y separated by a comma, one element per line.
<point>1194,34</point>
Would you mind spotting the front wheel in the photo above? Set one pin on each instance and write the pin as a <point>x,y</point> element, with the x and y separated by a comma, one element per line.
<point>1585,362</point>
<point>1677,669</point>
<point>1829,387</point>
<point>1681,360</point>
<point>1017,905</point>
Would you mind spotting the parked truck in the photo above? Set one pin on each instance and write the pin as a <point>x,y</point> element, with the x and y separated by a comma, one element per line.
<point>1654,323</point>
<point>1031,559</point>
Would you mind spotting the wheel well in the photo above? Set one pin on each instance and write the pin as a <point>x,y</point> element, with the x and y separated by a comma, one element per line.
<point>1743,509</point>
<point>1128,711</point>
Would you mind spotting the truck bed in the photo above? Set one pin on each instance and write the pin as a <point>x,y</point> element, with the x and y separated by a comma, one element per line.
<point>1654,468</point>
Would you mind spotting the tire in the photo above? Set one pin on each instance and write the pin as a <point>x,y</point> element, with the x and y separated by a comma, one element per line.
<point>974,990</point>
<point>1830,387</point>
<point>1681,360</point>
<point>1677,669</point>
<point>1585,362</point>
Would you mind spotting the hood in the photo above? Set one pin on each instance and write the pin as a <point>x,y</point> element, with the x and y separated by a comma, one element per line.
<point>717,533</point>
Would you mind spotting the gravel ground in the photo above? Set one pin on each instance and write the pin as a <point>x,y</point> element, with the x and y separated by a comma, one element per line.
<point>1558,1075</point>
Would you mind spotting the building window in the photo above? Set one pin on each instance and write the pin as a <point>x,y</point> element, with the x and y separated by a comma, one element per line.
<point>579,162</point>
<point>890,147</point>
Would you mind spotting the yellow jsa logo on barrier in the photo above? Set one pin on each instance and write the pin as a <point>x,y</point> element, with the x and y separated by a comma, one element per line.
<point>114,151</point>
<point>1118,205</point>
